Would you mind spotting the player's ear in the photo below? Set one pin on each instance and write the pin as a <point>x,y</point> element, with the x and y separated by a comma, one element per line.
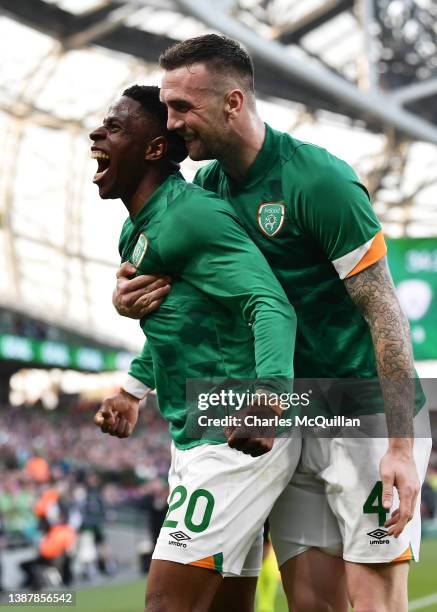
<point>156,149</point>
<point>234,100</point>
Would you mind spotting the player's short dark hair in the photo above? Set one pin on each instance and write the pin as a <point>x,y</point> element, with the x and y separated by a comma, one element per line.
<point>148,97</point>
<point>218,52</point>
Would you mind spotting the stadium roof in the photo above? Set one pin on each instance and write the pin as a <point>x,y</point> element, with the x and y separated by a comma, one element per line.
<point>359,77</point>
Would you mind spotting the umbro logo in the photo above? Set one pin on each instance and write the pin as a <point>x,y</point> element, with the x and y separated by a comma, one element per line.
<point>377,533</point>
<point>179,536</point>
<point>380,536</point>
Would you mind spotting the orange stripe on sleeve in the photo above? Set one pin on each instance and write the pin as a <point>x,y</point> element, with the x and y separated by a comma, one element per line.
<point>376,252</point>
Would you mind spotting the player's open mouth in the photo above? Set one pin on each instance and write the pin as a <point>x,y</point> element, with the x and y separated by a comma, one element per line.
<point>103,163</point>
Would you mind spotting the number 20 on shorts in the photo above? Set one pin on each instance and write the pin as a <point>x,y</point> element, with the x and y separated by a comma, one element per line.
<point>178,498</point>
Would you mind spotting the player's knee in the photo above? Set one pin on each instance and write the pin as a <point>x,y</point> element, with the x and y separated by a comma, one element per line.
<point>314,606</point>
<point>364,604</point>
<point>309,602</point>
<point>160,602</point>
<point>370,607</point>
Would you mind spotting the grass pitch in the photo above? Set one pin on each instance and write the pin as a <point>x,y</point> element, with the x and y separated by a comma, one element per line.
<point>129,597</point>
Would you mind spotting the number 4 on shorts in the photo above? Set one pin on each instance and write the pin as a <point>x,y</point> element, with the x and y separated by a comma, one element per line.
<point>370,507</point>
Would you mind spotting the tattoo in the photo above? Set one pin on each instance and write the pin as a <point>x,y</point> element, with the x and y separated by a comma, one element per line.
<point>373,292</point>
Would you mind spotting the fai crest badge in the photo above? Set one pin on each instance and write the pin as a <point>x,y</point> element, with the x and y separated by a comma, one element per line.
<point>271,218</point>
<point>139,250</point>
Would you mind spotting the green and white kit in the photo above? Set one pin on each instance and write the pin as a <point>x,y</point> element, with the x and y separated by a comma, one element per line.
<point>311,217</point>
<point>216,322</point>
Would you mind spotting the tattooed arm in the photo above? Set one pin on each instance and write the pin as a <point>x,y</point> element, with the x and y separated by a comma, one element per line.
<point>373,292</point>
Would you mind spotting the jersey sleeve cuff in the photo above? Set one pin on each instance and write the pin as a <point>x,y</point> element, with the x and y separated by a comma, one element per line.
<point>362,257</point>
<point>135,387</point>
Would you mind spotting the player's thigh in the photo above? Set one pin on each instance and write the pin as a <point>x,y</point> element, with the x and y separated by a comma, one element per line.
<point>307,539</point>
<point>235,595</point>
<point>378,587</point>
<point>173,587</point>
<point>314,581</point>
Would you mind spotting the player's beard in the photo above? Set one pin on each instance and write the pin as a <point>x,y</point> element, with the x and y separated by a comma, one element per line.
<point>210,147</point>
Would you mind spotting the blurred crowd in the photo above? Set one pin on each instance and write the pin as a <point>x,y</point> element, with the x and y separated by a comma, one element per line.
<point>69,438</point>
<point>63,482</point>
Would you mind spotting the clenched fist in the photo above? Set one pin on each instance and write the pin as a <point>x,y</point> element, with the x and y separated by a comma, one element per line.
<point>118,415</point>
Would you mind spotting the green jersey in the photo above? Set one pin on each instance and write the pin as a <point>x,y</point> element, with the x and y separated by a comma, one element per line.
<point>311,217</point>
<point>226,315</point>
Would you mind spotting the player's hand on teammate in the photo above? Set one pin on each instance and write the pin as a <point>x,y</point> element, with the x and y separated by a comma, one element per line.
<point>137,296</point>
<point>252,439</point>
<point>398,469</point>
<point>118,415</point>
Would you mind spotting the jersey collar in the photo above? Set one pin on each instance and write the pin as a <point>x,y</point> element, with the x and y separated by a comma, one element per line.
<point>154,203</point>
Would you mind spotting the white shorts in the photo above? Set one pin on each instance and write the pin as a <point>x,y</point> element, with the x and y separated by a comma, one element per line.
<point>332,502</point>
<point>219,500</point>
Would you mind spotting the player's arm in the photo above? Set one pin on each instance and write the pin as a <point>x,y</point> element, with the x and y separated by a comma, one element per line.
<point>337,213</point>
<point>118,414</point>
<point>207,246</point>
<point>140,378</point>
<point>372,290</point>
